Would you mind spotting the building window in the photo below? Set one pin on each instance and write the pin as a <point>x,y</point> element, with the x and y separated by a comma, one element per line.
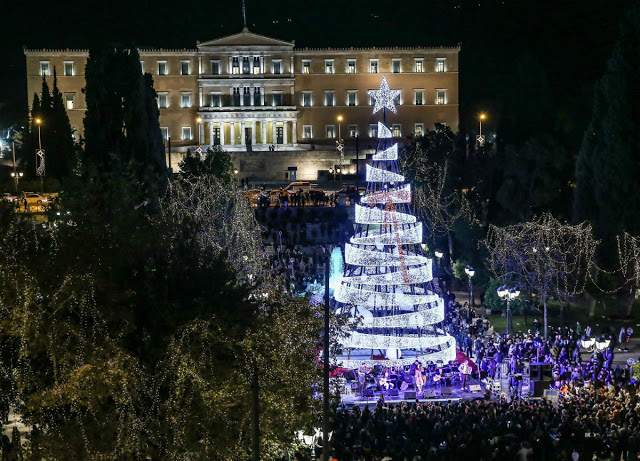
<point>351,66</point>
<point>277,98</point>
<point>246,96</point>
<point>165,132</point>
<point>257,98</point>
<point>441,64</point>
<point>235,65</point>
<point>329,98</point>
<point>353,131</point>
<point>373,130</point>
<point>215,67</point>
<point>69,100</point>
<point>419,129</point>
<point>418,65</point>
<point>185,100</point>
<point>186,133</point>
<point>307,132</point>
<point>419,97</point>
<point>331,131</point>
<point>328,66</point>
<point>163,100</point>
<point>256,65</point>
<point>306,98</point>
<point>184,68</point>
<point>235,99</point>
<point>45,68</point>
<point>215,99</point>
<point>68,68</point>
<point>277,67</point>
<point>306,66</point>
<point>441,96</point>
<point>396,131</point>
<point>246,70</point>
<point>398,99</point>
<point>142,66</point>
<point>373,66</point>
<point>162,67</point>
<point>352,99</point>
<point>395,66</point>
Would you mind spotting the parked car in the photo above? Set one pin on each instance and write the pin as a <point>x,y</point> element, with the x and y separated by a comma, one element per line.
<point>36,199</point>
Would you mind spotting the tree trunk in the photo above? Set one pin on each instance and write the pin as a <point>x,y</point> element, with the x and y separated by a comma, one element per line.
<point>255,415</point>
<point>632,298</point>
<point>592,305</point>
<point>546,325</point>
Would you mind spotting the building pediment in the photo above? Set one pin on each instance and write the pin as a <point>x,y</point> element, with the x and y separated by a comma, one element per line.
<point>245,38</point>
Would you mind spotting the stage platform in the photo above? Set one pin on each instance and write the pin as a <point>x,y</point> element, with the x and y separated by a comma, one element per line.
<point>475,390</point>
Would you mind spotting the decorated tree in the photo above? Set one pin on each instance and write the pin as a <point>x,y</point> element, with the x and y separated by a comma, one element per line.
<point>545,256</point>
<point>387,281</point>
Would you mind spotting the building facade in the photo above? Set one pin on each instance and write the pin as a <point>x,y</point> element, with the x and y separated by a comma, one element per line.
<point>249,92</point>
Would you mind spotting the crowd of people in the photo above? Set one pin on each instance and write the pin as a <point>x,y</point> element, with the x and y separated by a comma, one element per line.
<point>300,270</point>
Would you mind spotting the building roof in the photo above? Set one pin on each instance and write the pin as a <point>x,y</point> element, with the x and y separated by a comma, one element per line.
<point>246,38</point>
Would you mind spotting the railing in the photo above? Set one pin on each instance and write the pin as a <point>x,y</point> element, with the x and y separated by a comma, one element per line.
<point>268,100</point>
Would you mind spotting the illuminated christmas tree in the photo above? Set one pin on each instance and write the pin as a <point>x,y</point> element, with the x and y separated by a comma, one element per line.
<point>387,280</point>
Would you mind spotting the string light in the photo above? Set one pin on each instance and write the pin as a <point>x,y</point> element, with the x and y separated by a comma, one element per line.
<point>382,237</point>
<point>383,132</point>
<point>388,154</point>
<point>400,195</point>
<point>384,97</point>
<point>366,215</point>
<point>362,257</point>
<point>378,175</point>
<point>445,355</point>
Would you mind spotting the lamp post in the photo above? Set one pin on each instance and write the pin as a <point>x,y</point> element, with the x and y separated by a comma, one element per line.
<point>470,273</point>
<point>17,176</point>
<point>340,145</point>
<point>480,137</point>
<point>438,254</point>
<point>332,172</point>
<point>199,122</point>
<point>40,165</point>
<point>508,294</point>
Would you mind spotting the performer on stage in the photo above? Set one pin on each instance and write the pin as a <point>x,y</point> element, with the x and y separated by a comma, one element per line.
<point>362,376</point>
<point>465,370</point>
<point>385,380</point>
<point>419,378</point>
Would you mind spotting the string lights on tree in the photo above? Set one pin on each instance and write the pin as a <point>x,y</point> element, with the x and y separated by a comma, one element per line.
<point>387,281</point>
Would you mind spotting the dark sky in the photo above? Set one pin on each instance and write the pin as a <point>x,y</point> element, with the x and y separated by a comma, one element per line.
<point>572,38</point>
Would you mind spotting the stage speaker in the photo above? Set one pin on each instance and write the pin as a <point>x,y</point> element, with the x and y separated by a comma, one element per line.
<point>393,392</point>
<point>409,395</point>
<point>539,387</point>
<point>446,391</point>
<point>535,371</point>
<point>547,371</point>
<point>475,388</point>
<point>349,375</point>
<point>368,393</point>
<point>430,394</point>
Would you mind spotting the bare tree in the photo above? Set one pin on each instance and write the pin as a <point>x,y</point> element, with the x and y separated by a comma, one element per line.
<point>545,256</point>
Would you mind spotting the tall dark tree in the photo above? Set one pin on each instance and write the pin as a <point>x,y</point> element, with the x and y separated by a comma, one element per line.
<point>608,167</point>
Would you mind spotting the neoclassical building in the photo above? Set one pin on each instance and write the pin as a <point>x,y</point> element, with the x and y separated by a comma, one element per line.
<point>248,91</point>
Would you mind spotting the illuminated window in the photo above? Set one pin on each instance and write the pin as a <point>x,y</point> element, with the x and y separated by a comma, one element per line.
<point>328,66</point>
<point>235,65</point>
<point>185,68</point>
<point>396,131</point>
<point>215,67</point>
<point>185,100</point>
<point>351,66</point>
<point>45,68</point>
<point>246,96</point>
<point>236,96</point>
<point>329,98</point>
<point>245,65</point>
<point>441,96</point>
<point>398,99</point>
<point>331,131</point>
<point>418,65</point>
<point>162,67</point>
<point>373,131</point>
<point>306,98</point>
<point>186,133</point>
<point>395,66</point>
<point>256,65</point>
<point>69,100</point>
<point>353,131</point>
<point>373,66</point>
<point>215,99</point>
<point>441,64</point>
<point>419,97</point>
<point>257,97</point>
<point>352,99</point>
<point>277,98</point>
<point>163,100</point>
<point>277,67</point>
<point>307,132</point>
<point>68,68</point>
<point>165,132</point>
<point>419,129</point>
<point>306,66</point>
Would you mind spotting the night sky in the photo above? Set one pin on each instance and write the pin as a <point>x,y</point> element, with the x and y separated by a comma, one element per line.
<point>571,38</point>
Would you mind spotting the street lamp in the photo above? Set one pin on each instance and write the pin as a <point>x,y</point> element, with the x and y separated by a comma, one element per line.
<point>332,172</point>
<point>17,176</point>
<point>508,294</point>
<point>480,138</point>
<point>340,143</point>
<point>470,273</point>
<point>439,254</point>
<point>199,122</point>
<point>40,165</point>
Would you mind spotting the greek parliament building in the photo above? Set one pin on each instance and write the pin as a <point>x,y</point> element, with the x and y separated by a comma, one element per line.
<point>247,92</point>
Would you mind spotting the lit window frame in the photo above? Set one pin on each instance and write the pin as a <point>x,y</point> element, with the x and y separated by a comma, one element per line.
<point>184,130</point>
<point>69,98</point>
<point>329,66</point>
<point>217,63</point>
<point>273,66</point>
<point>326,98</point>
<point>304,131</point>
<point>42,72</point>
<point>353,93</point>
<point>394,127</point>
<point>418,129</point>
<point>393,63</point>
<point>333,131</point>
<point>374,63</point>
<point>65,63</point>
<point>416,92</point>
<point>165,95</point>
<point>418,65</point>
<point>441,64</point>
<point>166,67</point>
<point>186,94</point>
<point>349,69</point>
<point>306,66</point>
<point>164,130</point>
<point>444,99</point>
<point>188,63</point>
<point>308,93</point>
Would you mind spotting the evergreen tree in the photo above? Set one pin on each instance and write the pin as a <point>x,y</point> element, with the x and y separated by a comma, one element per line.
<point>61,155</point>
<point>608,166</point>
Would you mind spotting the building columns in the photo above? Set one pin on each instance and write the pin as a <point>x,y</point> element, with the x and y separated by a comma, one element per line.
<point>233,133</point>
<point>221,133</point>
<point>284,132</point>
<point>253,133</point>
<point>264,132</point>
<point>294,132</point>
<point>243,140</point>
<point>211,134</point>
<point>273,129</point>
<point>201,139</point>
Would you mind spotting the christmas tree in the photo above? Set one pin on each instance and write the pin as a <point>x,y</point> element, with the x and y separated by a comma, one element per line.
<point>387,280</point>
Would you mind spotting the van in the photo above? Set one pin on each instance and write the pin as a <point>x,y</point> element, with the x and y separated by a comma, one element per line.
<point>298,185</point>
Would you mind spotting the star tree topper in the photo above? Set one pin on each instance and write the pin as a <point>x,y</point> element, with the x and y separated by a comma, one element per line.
<point>384,97</point>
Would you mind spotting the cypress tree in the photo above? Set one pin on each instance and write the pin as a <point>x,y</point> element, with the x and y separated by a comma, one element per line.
<point>61,154</point>
<point>608,166</point>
